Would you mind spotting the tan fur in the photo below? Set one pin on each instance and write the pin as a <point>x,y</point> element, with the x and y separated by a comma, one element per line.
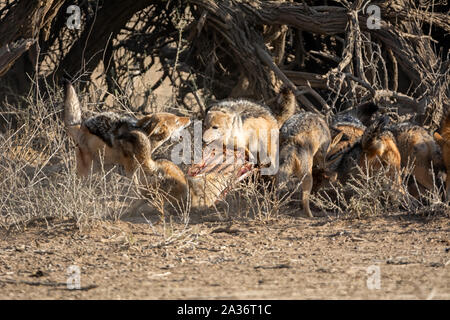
<point>89,134</point>
<point>375,148</point>
<point>379,149</point>
<point>352,133</point>
<point>346,131</point>
<point>418,147</point>
<point>92,152</point>
<point>382,152</point>
<point>135,156</point>
<point>245,124</point>
<point>443,139</point>
<point>344,137</point>
<point>202,190</point>
<point>161,126</point>
<point>304,142</point>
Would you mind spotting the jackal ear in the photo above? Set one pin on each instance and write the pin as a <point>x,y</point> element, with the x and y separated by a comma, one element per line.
<point>150,125</point>
<point>440,141</point>
<point>159,132</point>
<point>336,140</point>
<point>147,124</point>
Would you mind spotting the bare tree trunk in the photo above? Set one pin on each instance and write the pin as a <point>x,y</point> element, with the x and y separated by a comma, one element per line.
<point>24,22</point>
<point>237,25</point>
<point>89,50</point>
<point>10,53</point>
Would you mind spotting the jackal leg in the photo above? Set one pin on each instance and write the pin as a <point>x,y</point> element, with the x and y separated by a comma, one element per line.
<point>304,173</point>
<point>306,191</point>
<point>84,162</point>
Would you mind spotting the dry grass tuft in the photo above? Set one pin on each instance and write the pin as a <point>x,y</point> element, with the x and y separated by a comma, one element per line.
<point>38,181</point>
<point>37,171</point>
<point>260,199</point>
<point>369,194</point>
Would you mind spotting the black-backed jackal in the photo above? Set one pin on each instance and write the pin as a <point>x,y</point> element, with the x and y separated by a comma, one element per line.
<point>202,187</point>
<point>352,128</point>
<point>443,139</point>
<point>346,130</point>
<point>244,124</point>
<point>160,126</point>
<point>135,155</point>
<point>344,152</point>
<point>418,148</point>
<point>304,142</point>
<point>380,148</point>
<point>375,149</point>
<point>93,136</point>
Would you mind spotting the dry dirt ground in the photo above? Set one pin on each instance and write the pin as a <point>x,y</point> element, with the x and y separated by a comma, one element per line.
<point>284,258</point>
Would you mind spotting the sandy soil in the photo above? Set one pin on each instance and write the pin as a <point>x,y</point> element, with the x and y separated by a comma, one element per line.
<point>285,258</point>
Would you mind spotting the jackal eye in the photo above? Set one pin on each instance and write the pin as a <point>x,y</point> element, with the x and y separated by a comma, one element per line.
<point>215,127</point>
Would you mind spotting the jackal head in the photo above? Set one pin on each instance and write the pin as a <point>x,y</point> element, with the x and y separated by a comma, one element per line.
<point>159,127</point>
<point>219,125</point>
<point>371,139</point>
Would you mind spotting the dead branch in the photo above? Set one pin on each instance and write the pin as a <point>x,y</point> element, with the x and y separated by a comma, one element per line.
<point>11,52</point>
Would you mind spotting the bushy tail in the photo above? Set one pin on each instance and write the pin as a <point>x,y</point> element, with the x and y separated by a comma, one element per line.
<point>72,108</point>
<point>285,105</point>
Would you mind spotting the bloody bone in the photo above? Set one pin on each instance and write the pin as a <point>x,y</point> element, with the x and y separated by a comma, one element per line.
<point>225,162</point>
